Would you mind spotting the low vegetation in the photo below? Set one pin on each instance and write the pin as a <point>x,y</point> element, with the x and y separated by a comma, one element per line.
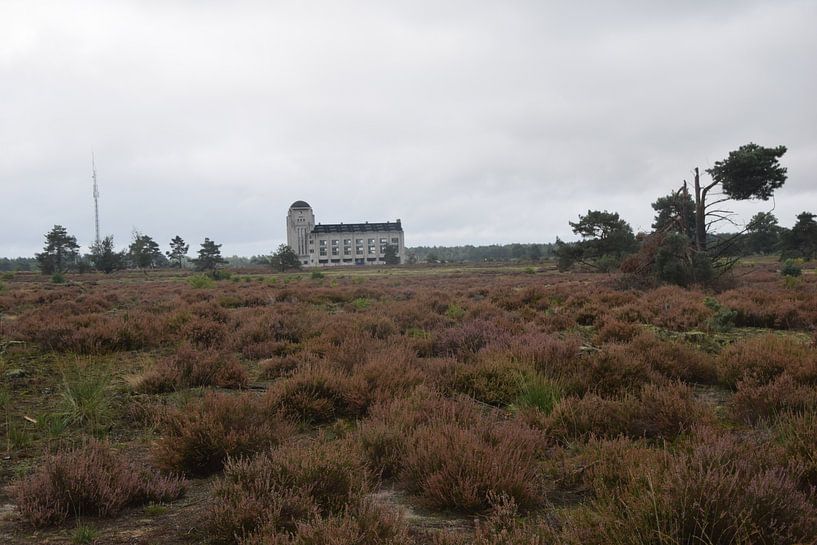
<point>430,406</point>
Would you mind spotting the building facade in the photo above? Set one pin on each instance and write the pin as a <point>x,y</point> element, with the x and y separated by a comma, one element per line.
<point>336,244</point>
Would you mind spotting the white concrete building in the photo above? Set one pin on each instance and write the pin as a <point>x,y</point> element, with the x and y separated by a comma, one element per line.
<point>334,244</point>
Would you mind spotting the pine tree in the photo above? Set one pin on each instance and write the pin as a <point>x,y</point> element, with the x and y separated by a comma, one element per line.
<point>144,252</point>
<point>390,255</point>
<point>178,251</point>
<point>104,256</point>
<point>209,257</point>
<point>60,252</point>
<point>285,258</point>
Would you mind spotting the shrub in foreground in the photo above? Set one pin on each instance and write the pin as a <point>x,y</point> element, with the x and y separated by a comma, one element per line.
<point>87,481</point>
<point>295,483</point>
<point>319,394</point>
<point>190,368</point>
<point>453,454</point>
<point>199,438</point>
<point>721,492</point>
<point>656,413</point>
<point>763,358</point>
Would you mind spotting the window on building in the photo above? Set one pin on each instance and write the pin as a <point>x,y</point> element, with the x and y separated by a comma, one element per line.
<point>371,241</point>
<point>347,242</point>
<point>359,241</point>
<point>395,240</point>
<point>335,242</point>
<point>347,251</point>
<point>323,251</point>
<point>371,249</point>
<point>384,241</point>
<point>359,249</point>
<point>322,243</point>
<point>383,249</point>
<point>334,251</point>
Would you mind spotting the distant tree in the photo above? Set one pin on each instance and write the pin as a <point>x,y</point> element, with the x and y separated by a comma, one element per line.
<point>285,258</point>
<point>390,255</point>
<point>60,252</point>
<point>144,252</point>
<point>209,257</point>
<point>535,252</point>
<point>606,239</point>
<point>433,258</point>
<point>675,213</point>
<point>750,172</point>
<point>801,241</point>
<point>763,233</point>
<point>178,251</point>
<point>104,256</point>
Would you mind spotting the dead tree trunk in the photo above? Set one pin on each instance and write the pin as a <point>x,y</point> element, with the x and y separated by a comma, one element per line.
<point>700,213</point>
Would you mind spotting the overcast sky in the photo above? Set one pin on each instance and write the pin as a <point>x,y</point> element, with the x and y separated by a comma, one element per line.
<point>472,121</point>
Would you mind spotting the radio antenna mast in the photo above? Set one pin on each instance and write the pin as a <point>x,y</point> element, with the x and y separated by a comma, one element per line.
<point>96,197</point>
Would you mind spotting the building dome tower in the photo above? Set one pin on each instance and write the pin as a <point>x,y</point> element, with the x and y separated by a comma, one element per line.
<point>300,222</point>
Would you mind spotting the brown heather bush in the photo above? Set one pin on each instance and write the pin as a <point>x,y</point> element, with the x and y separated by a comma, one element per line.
<point>488,380</point>
<point>797,434</point>
<point>88,481</point>
<point>451,467</point>
<point>383,435</point>
<point>318,394</point>
<point>721,492</point>
<point>191,368</point>
<point>205,333</point>
<point>278,366</point>
<point>603,464</point>
<point>366,524</point>
<point>296,482</point>
<point>616,331</point>
<point>197,439</point>
<point>550,355</point>
<point>613,370</point>
<point>656,413</point>
<point>675,308</point>
<point>772,307</point>
<point>391,372</point>
<point>752,401</point>
<point>452,454</point>
<point>503,526</point>
<point>464,340</point>
<point>763,358</point>
<point>675,360</point>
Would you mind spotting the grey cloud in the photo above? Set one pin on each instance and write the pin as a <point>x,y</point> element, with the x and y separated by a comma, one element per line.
<point>474,122</point>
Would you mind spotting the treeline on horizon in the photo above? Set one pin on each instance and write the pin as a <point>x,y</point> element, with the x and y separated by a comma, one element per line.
<point>682,248</point>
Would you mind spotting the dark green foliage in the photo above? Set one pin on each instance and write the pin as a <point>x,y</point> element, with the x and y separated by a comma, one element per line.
<point>60,252</point>
<point>390,255</point>
<point>606,239</point>
<point>105,258</point>
<point>209,257</point>
<point>675,213</point>
<point>763,233</point>
<point>750,172</point>
<point>178,251</point>
<point>724,317</point>
<point>144,252</point>
<point>285,259</point>
<point>478,254</point>
<point>790,268</point>
<point>801,241</point>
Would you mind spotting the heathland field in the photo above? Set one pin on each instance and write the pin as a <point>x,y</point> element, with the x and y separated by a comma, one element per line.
<point>431,405</point>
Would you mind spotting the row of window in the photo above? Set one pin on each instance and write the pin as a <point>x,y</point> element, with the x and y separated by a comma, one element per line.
<point>372,250</point>
<point>357,261</point>
<point>358,241</point>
